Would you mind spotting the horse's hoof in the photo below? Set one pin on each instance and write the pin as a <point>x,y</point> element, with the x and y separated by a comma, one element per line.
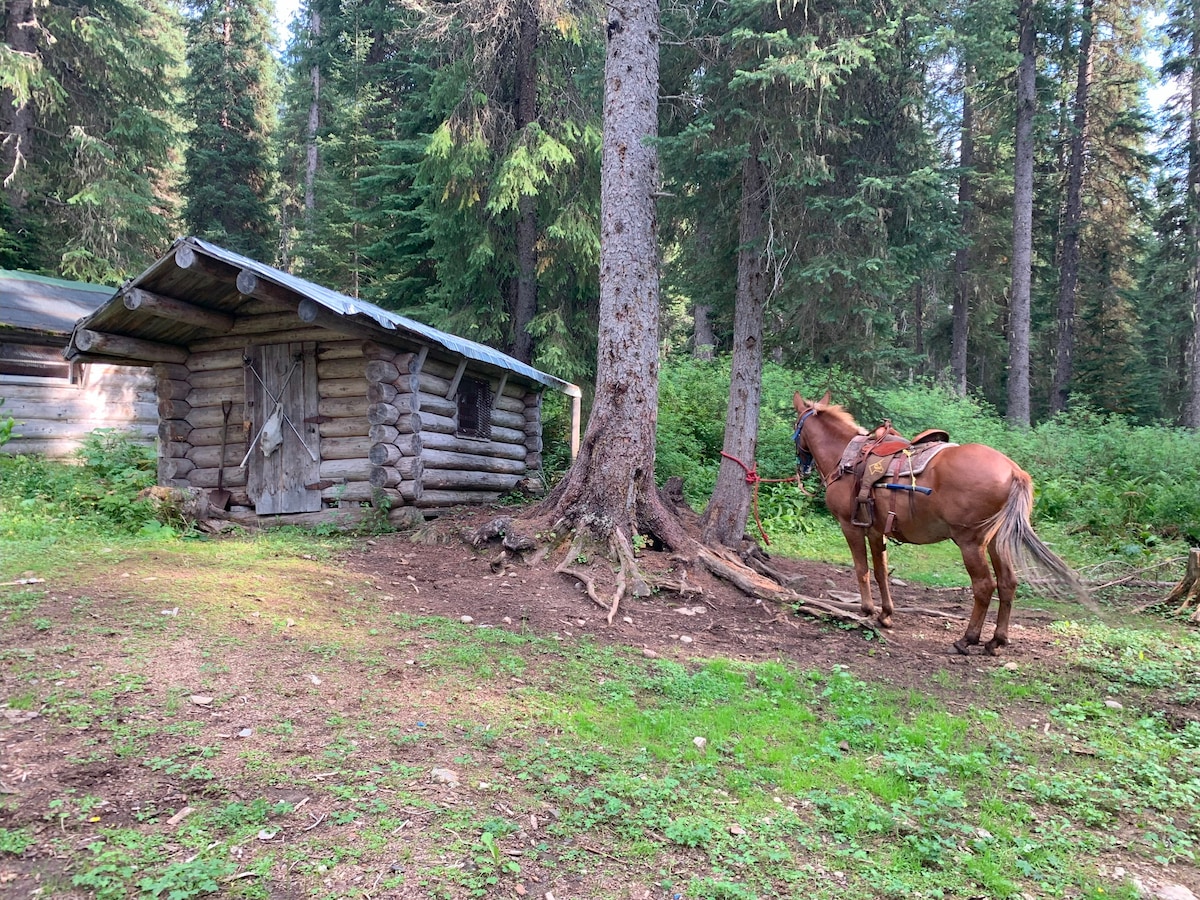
<point>990,648</point>
<point>961,647</point>
<point>885,621</point>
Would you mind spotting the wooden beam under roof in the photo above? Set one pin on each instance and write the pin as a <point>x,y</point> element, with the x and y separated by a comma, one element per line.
<point>176,310</point>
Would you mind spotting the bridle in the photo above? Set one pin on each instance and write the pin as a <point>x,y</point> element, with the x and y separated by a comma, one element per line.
<point>804,459</point>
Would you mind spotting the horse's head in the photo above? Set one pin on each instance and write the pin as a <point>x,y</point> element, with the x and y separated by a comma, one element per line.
<point>805,410</point>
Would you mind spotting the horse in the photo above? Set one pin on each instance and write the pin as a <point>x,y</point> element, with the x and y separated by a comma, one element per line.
<point>971,494</point>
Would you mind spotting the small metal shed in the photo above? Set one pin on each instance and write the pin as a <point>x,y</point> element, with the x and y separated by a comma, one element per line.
<point>309,405</point>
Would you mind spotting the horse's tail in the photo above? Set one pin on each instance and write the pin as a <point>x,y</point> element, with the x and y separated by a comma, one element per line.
<point>1017,543</point>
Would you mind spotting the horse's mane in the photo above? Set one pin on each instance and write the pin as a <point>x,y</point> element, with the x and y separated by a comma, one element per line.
<point>842,415</point>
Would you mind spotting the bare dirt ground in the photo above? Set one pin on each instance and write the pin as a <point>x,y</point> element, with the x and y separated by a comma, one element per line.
<point>114,681</point>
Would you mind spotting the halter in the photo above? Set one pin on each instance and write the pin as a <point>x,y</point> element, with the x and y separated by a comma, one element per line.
<point>804,459</point>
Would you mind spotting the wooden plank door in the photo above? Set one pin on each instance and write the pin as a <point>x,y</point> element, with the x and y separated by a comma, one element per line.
<point>281,384</point>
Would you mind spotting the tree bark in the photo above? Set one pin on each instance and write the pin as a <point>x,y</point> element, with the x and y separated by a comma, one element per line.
<point>611,485</point>
<point>17,113</point>
<point>1022,251</point>
<point>1191,411</point>
<point>526,301</point>
<point>1072,221</point>
<point>704,342</point>
<point>962,257</point>
<point>724,520</point>
<point>314,117</point>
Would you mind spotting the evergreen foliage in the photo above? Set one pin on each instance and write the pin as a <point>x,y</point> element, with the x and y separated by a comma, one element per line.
<point>92,195</point>
<point>232,95</point>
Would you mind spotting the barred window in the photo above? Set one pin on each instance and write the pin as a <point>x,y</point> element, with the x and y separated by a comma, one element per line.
<point>34,361</point>
<point>474,409</point>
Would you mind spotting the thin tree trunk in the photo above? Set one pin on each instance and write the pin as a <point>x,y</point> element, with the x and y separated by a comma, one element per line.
<point>920,290</point>
<point>314,118</point>
<point>1191,411</point>
<point>526,301</point>
<point>961,310</point>
<point>1073,221</point>
<point>1022,251</point>
<point>16,112</point>
<point>704,342</point>
<point>725,518</point>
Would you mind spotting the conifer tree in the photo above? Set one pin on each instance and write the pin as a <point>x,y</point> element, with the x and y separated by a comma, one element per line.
<point>232,94</point>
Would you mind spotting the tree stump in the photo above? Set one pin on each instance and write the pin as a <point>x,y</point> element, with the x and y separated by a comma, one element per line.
<point>1187,592</point>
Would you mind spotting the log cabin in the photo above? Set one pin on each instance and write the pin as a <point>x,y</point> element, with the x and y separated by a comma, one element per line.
<point>308,406</point>
<point>56,403</point>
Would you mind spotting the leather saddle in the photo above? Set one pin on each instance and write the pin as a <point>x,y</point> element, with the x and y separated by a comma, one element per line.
<point>885,454</point>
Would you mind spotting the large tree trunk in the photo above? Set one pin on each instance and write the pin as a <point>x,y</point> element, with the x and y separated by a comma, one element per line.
<point>962,257</point>
<point>526,301</point>
<point>1072,221</point>
<point>724,520</point>
<point>17,112</point>
<point>1022,251</point>
<point>704,342</point>
<point>611,485</point>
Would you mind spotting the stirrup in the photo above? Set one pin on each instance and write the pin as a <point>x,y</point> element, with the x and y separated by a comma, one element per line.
<point>863,506</point>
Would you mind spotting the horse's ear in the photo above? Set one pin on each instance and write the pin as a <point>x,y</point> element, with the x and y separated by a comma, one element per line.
<point>800,403</point>
<point>825,400</point>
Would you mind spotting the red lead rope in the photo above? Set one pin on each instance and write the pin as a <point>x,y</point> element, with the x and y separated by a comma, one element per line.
<point>752,477</point>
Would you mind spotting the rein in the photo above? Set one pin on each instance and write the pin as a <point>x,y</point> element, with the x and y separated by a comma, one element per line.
<point>752,477</point>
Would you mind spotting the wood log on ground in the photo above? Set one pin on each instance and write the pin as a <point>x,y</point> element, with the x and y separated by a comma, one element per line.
<point>1187,592</point>
<point>348,518</point>
<point>360,492</point>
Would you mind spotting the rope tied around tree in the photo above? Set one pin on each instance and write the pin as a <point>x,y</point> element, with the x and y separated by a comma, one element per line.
<point>753,478</point>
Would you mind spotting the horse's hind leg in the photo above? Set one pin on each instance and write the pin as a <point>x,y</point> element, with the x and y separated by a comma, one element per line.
<point>858,550</point>
<point>880,564</point>
<point>1006,587</point>
<point>982,585</point>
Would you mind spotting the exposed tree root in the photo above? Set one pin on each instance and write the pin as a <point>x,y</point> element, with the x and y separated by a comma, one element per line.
<point>1187,592</point>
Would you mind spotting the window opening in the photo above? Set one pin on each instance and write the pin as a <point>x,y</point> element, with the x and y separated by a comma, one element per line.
<point>474,409</point>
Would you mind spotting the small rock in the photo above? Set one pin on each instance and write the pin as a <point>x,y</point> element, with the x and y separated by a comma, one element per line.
<point>1154,889</point>
<point>180,816</point>
<point>685,639</point>
<point>1011,666</point>
<point>17,716</point>
<point>700,742</point>
<point>1113,704</point>
<point>174,611</point>
<point>736,829</point>
<point>508,621</point>
<point>245,732</point>
<point>466,620</point>
<point>628,620</point>
<point>648,653</point>
<point>445,776</point>
<point>267,835</point>
<point>844,746</point>
<point>314,679</point>
<point>201,700</point>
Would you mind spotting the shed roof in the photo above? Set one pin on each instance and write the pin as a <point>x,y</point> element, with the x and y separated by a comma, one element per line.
<point>214,285</point>
<point>39,305</point>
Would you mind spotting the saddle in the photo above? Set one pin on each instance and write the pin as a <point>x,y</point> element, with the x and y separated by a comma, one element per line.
<point>883,455</point>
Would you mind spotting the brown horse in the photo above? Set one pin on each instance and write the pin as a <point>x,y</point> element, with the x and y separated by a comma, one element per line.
<point>970,494</point>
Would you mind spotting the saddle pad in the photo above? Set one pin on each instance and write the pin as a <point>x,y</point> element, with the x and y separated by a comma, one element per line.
<point>904,465</point>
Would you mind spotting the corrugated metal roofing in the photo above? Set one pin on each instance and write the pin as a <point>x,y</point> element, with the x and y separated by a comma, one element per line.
<point>46,305</point>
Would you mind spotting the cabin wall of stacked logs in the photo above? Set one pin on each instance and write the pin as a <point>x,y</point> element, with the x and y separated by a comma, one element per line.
<point>387,427</point>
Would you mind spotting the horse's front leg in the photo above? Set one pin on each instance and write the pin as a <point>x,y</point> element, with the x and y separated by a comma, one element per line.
<point>880,564</point>
<point>858,550</point>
